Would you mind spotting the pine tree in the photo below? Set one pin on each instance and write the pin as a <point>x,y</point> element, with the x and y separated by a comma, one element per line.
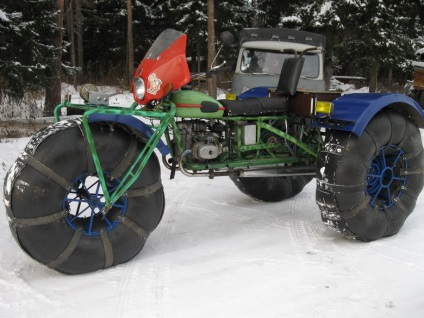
<point>190,17</point>
<point>27,51</point>
<point>271,13</point>
<point>105,37</point>
<point>54,68</point>
<point>146,26</point>
<point>365,36</point>
<point>372,38</point>
<point>233,15</point>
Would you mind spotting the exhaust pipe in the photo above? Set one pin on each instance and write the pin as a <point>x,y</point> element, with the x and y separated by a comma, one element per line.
<point>278,172</point>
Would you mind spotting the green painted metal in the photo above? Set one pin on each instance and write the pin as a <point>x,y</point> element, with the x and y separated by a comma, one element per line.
<point>237,156</point>
<point>189,104</point>
<point>134,171</point>
<point>289,138</point>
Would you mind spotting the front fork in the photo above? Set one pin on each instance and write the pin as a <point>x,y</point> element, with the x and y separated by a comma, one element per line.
<point>165,115</point>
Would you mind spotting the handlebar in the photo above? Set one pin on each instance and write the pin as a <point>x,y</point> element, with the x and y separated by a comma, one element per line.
<point>214,70</point>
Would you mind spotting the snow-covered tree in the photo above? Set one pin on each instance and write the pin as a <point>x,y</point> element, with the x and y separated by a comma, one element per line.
<point>273,13</point>
<point>191,17</point>
<point>105,27</point>
<point>233,15</point>
<point>27,52</point>
<point>365,36</point>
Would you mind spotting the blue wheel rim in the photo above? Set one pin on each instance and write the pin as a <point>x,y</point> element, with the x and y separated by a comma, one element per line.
<point>385,181</point>
<point>84,203</point>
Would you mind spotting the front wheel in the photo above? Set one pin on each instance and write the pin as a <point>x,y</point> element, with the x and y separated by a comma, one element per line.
<point>54,200</point>
<point>367,186</point>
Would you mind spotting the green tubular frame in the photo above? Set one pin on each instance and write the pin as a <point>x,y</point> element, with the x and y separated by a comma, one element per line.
<point>254,160</point>
<point>165,117</point>
<point>246,155</point>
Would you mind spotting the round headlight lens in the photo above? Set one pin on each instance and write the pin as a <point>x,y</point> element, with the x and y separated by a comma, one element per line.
<point>139,87</point>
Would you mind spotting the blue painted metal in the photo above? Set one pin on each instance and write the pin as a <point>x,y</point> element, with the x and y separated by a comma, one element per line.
<point>385,184</point>
<point>84,202</point>
<point>356,110</point>
<point>256,92</point>
<point>353,112</point>
<point>131,122</point>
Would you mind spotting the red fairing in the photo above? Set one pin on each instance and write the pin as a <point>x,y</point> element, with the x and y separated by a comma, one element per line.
<point>170,67</point>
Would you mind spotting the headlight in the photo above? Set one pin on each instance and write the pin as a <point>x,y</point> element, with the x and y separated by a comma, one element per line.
<point>323,107</point>
<point>139,88</point>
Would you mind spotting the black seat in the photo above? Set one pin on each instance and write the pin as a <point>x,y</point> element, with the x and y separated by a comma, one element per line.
<point>287,85</point>
<point>255,106</point>
<point>290,76</point>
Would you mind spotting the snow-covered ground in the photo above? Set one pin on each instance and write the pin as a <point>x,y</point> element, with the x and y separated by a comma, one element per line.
<point>218,253</point>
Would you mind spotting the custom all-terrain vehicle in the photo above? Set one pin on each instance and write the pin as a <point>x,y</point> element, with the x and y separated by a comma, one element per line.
<point>86,193</point>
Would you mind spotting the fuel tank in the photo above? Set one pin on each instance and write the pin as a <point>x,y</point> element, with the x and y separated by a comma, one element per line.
<point>192,104</point>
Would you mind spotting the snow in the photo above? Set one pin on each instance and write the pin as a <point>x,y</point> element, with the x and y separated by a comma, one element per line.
<point>326,7</point>
<point>218,253</point>
<point>418,64</point>
<point>347,88</point>
<point>3,16</point>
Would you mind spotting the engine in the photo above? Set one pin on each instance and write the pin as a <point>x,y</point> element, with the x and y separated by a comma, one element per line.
<point>204,140</point>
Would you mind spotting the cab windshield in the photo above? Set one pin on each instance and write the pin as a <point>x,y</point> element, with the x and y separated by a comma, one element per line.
<point>271,62</point>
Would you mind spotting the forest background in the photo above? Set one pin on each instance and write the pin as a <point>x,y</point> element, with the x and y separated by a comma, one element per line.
<point>46,42</point>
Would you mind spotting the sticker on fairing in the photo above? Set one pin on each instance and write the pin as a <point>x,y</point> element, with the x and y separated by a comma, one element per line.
<point>155,84</point>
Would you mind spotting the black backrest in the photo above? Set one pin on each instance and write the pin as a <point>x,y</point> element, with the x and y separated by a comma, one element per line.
<point>290,75</point>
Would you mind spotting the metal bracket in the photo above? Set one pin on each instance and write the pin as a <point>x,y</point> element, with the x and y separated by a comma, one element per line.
<point>98,98</point>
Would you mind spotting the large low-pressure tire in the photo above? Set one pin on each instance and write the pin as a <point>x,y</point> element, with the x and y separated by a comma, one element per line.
<point>271,189</point>
<point>368,185</point>
<point>53,198</point>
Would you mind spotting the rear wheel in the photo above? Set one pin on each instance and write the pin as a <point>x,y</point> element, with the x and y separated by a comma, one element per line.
<point>271,189</point>
<point>54,200</point>
<point>367,186</point>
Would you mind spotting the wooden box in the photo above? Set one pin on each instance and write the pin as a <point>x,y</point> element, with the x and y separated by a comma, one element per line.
<point>419,78</point>
<point>303,103</point>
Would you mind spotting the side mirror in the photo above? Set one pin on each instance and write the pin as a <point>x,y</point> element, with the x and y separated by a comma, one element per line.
<point>227,38</point>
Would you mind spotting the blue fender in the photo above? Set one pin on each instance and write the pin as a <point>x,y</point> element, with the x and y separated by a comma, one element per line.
<point>353,112</point>
<point>133,123</point>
